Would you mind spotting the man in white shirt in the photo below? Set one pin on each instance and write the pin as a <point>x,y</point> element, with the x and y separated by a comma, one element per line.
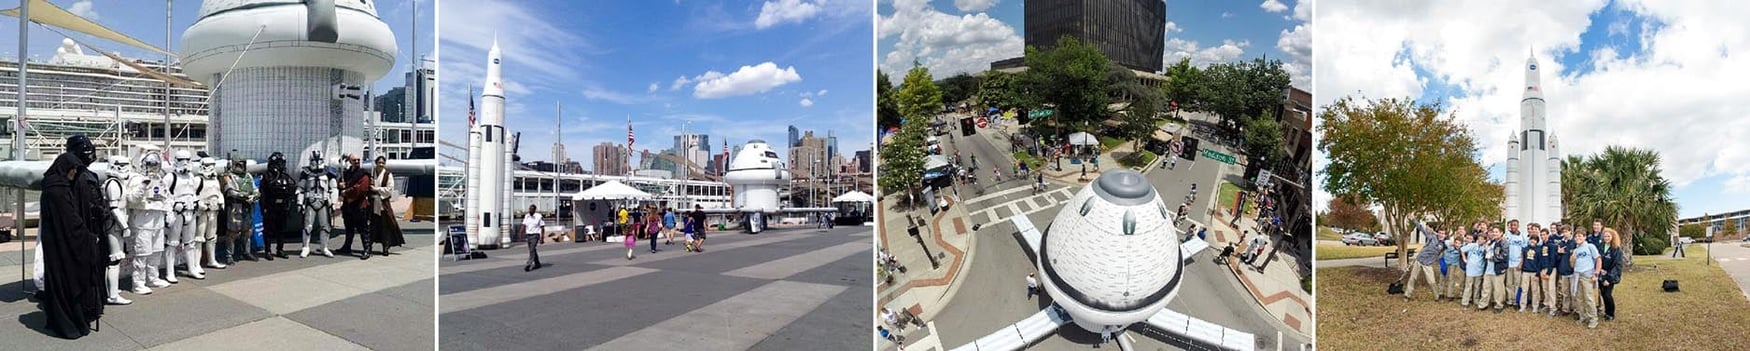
<point>532,225</point>
<point>1032,286</point>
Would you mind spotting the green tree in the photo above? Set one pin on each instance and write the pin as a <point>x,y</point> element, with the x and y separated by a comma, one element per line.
<point>886,110</point>
<point>1072,78</point>
<point>1264,142</point>
<point>918,97</point>
<point>958,88</point>
<point>1185,84</point>
<point>1692,231</point>
<point>1241,89</point>
<point>1139,115</point>
<point>1623,188</point>
<point>1407,158</point>
<point>1003,90</point>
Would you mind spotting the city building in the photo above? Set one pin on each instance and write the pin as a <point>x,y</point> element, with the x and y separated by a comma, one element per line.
<point>390,104</point>
<point>696,148</point>
<point>420,93</point>
<point>1130,32</point>
<point>795,137</point>
<point>1733,224</point>
<point>609,159</point>
<point>863,161</point>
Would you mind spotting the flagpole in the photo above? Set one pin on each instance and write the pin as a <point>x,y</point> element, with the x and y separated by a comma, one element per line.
<point>18,134</point>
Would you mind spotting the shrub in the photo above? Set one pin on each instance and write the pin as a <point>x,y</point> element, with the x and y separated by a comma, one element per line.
<point>1646,244</point>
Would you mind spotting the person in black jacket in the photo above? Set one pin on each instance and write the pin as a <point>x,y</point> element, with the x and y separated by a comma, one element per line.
<point>75,257</point>
<point>1563,243</point>
<point>1612,258</point>
<point>280,216</point>
<point>1530,266</point>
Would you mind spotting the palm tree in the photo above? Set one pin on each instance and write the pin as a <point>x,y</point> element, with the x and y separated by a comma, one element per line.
<point>1621,187</point>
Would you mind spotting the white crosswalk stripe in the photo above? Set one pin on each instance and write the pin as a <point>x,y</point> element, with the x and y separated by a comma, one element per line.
<point>1036,203</point>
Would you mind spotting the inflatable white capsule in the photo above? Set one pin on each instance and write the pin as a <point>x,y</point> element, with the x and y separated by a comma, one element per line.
<point>1111,256</point>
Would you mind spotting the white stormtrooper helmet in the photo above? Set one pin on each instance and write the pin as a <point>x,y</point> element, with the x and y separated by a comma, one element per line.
<point>120,168</point>
<point>209,166</point>
<point>182,157</point>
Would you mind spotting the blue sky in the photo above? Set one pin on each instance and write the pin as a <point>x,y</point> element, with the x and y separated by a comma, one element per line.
<point>1645,74</point>
<point>144,20</point>
<point>952,37</point>
<point>736,70</point>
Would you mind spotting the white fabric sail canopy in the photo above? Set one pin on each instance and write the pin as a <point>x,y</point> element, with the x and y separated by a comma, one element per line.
<point>612,190</point>
<point>854,196</point>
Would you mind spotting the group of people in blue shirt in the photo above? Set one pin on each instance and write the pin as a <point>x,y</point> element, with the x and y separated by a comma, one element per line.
<point>1541,269</point>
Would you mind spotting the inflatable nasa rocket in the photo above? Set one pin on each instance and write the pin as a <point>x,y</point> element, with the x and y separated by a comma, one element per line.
<point>1534,165</point>
<point>486,158</point>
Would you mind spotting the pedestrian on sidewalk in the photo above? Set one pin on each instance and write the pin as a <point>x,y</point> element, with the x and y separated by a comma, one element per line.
<point>630,236</point>
<point>653,226</point>
<point>668,228</point>
<point>1032,286</point>
<point>532,225</point>
<point>698,218</point>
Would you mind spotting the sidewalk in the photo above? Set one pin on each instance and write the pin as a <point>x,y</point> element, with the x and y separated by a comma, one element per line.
<point>1277,287</point>
<point>921,289</point>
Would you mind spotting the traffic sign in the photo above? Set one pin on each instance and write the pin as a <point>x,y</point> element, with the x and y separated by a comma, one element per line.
<point>1218,156</point>
<point>1036,114</point>
<point>984,122</point>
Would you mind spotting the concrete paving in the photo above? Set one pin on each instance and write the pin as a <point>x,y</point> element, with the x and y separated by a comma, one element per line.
<point>339,303</point>
<point>781,289</point>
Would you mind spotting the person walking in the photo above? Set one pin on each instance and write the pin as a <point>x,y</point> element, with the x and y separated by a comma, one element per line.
<point>668,225</point>
<point>533,225</point>
<point>1612,266</point>
<point>653,226</point>
<point>1586,263</point>
<point>1426,261</point>
<point>630,237</point>
<point>699,229</point>
<point>1032,286</point>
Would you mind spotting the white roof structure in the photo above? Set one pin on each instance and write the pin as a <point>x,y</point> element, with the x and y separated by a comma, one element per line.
<point>854,196</point>
<point>935,161</point>
<point>612,190</point>
<point>1083,139</point>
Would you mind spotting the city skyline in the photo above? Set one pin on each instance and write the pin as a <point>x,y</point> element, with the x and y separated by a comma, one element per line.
<point>735,73</point>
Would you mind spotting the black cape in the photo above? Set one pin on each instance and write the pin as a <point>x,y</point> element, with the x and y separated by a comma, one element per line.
<point>74,261</point>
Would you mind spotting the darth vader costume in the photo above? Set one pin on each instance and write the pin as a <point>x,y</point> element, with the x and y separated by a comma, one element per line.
<point>73,211</point>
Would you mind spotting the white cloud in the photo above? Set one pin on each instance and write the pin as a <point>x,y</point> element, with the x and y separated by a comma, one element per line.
<point>1667,94</point>
<point>944,43</point>
<point>680,82</point>
<point>782,11</point>
<point>1227,15</point>
<point>806,102</point>
<point>1179,48</point>
<point>822,92</point>
<point>83,9</point>
<point>1273,6</point>
<point>747,80</point>
<point>1173,27</point>
<point>653,87</point>
<point>974,5</point>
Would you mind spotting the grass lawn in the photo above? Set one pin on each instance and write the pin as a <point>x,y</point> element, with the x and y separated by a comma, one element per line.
<point>1325,233</point>
<point>1137,159</point>
<point>1323,251</point>
<point>1356,314</point>
<point>1107,143</point>
<point>1225,199</point>
<point>1031,162</point>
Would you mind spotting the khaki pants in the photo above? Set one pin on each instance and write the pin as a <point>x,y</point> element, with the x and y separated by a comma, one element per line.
<point>1512,285</point>
<point>1588,287</point>
<point>1472,285</point>
<point>1453,283</point>
<point>1565,293</point>
<point>1427,272</point>
<point>1530,285</point>
<point>1497,289</point>
<point>1549,293</point>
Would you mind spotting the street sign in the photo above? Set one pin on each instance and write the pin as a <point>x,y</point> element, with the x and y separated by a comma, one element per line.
<point>1037,114</point>
<point>1264,178</point>
<point>984,122</point>
<point>1218,156</point>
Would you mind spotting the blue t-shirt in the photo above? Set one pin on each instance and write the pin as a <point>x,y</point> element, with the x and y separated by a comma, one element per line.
<point>1516,243</point>
<point>1451,255</point>
<point>1473,259</point>
<point>668,220</point>
<point>1584,256</point>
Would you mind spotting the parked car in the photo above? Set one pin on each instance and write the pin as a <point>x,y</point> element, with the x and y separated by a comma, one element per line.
<point>1384,239</point>
<point>1686,240</point>
<point>1359,239</point>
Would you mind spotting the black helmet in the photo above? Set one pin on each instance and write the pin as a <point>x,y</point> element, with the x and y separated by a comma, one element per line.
<point>80,146</point>
<point>276,161</point>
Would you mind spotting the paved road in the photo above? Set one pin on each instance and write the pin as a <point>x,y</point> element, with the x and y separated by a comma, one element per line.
<point>339,303</point>
<point>784,289</point>
<point>993,295</point>
<point>1732,257</point>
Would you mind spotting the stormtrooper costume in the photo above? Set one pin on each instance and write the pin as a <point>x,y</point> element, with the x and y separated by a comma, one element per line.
<point>316,192</point>
<point>115,190</point>
<point>149,208</point>
<point>181,238</point>
<point>209,199</point>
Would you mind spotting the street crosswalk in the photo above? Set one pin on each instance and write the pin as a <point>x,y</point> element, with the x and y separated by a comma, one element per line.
<point>1001,212</point>
<point>782,289</point>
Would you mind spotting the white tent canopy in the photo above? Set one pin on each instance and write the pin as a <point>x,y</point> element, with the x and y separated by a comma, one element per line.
<point>854,196</point>
<point>1083,139</point>
<point>935,161</point>
<point>612,190</point>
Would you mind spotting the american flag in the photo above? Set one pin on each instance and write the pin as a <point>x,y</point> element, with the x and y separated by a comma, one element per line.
<point>629,133</point>
<point>470,107</point>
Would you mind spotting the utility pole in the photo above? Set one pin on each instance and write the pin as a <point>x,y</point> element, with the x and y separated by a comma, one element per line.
<point>167,135</point>
<point>18,135</point>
